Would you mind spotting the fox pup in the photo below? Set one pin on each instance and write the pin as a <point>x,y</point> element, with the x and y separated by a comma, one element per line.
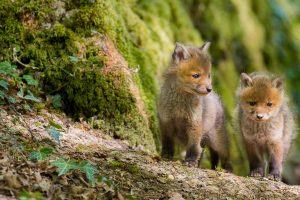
<point>189,112</point>
<point>266,122</point>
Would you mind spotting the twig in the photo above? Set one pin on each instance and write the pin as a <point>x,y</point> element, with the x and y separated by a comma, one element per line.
<point>17,113</point>
<point>72,75</point>
<point>27,126</point>
<point>15,58</point>
<point>59,88</point>
<point>83,181</point>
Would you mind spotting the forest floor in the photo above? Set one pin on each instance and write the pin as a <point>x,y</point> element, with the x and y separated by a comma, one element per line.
<point>29,170</point>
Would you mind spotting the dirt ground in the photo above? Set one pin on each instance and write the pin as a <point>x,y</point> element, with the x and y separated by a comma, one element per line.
<point>123,172</point>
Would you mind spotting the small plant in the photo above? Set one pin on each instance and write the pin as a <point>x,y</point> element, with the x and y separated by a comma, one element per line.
<point>16,88</point>
<point>55,134</point>
<point>25,195</point>
<point>41,154</point>
<point>64,166</point>
<point>104,179</point>
<point>56,101</point>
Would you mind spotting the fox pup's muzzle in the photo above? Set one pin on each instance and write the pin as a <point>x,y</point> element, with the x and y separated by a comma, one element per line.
<point>203,89</point>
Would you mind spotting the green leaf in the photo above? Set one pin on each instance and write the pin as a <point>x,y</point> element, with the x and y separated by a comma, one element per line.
<point>54,124</point>
<point>37,196</point>
<point>27,107</point>
<point>104,179</point>
<point>25,195</point>
<point>31,97</point>
<point>4,84</point>
<point>74,58</point>
<point>2,95</point>
<point>21,92</point>
<point>11,99</point>
<point>64,166</point>
<point>7,69</point>
<point>30,80</point>
<point>54,133</point>
<point>89,171</point>
<point>56,101</point>
<point>40,154</point>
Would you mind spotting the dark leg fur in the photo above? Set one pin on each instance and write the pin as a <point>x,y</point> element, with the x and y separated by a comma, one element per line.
<point>214,158</point>
<point>274,169</point>
<point>194,149</point>
<point>201,156</point>
<point>256,168</point>
<point>226,164</point>
<point>255,163</point>
<point>167,139</point>
<point>193,154</point>
<point>225,160</point>
<point>167,147</point>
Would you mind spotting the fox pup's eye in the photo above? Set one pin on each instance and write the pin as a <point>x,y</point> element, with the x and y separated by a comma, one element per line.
<point>209,75</point>
<point>196,75</point>
<point>269,104</point>
<point>252,103</point>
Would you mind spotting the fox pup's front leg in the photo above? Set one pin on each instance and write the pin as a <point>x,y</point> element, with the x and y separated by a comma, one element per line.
<point>255,161</point>
<point>194,149</point>
<point>276,158</point>
<point>167,139</point>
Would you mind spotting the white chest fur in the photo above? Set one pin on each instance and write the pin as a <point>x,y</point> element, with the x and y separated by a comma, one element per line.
<point>262,132</point>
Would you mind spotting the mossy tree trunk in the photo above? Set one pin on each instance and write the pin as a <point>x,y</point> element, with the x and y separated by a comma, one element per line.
<point>105,58</point>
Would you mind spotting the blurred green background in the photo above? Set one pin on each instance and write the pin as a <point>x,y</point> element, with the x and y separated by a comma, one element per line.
<point>246,36</point>
<point>252,36</point>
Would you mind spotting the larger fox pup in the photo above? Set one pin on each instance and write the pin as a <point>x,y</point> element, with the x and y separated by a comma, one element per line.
<point>266,122</point>
<point>189,111</point>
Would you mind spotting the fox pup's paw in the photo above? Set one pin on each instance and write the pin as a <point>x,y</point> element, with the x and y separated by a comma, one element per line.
<point>166,156</point>
<point>258,172</point>
<point>227,167</point>
<point>191,163</point>
<point>274,175</point>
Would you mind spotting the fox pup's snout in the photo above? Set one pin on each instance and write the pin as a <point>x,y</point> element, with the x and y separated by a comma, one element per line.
<point>203,89</point>
<point>260,113</point>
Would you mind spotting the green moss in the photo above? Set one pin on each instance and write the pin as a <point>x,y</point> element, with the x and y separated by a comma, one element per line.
<point>131,168</point>
<point>53,36</point>
<point>115,164</point>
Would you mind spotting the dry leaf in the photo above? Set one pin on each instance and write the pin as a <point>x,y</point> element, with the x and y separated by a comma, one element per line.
<point>12,180</point>
<point>120,196</point>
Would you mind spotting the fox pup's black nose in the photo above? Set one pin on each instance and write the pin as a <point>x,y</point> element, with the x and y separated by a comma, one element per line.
<point>259,116</point>
<point>208,89</point>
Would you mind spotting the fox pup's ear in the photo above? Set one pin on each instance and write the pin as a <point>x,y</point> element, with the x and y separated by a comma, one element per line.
<point>180,53</point>
<point>205,47</point>
<point>278,83</point>
<point>245,80</point>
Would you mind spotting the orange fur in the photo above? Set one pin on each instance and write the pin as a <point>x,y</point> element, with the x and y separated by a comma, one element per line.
<point>266,122</point>
<point>262,92</point>
<point>189,111</point>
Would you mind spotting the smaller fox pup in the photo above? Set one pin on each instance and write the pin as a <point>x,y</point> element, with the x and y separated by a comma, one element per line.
<point>266,122</point>
<point>189,112</point>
